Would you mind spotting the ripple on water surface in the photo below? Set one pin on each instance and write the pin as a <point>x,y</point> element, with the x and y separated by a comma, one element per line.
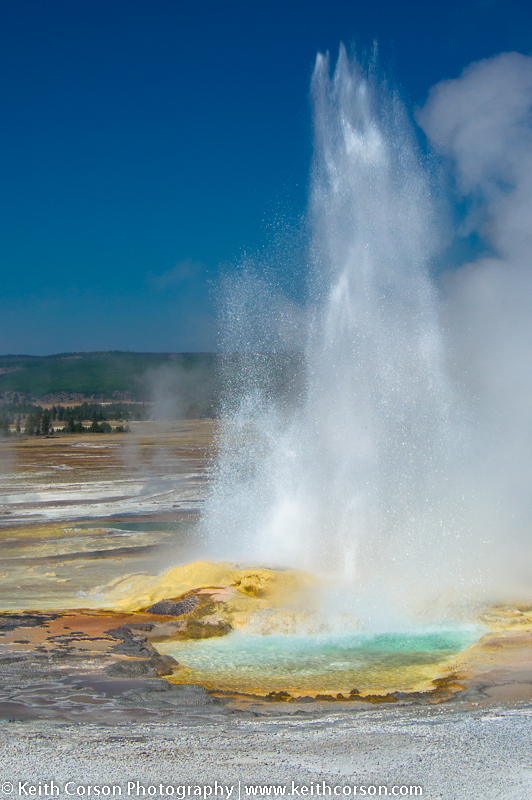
<point>368,662</point>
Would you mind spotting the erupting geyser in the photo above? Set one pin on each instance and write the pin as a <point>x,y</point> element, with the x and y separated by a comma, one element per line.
<point>401,470</point>
<point>357,481</point>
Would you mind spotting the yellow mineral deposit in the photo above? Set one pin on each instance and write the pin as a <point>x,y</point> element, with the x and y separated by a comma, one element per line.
<point>240,588</point>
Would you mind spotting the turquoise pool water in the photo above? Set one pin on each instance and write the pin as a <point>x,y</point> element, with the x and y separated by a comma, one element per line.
<point>336,663</point>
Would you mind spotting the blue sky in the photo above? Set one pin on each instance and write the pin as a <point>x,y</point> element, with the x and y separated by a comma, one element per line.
<point>143,144</point>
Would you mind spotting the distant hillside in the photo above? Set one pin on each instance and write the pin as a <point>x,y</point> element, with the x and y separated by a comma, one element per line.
<point>177,384</point>
<point>99,376</point>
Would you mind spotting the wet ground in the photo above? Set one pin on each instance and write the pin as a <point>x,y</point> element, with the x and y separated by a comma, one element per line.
<point>78,511</point>
<point>157,467</point>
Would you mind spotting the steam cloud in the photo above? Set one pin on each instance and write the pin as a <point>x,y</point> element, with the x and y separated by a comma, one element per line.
<point>482,123</point>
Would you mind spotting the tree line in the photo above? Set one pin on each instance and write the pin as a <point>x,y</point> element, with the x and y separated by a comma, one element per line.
<point>34,420</point>
<point>41,424</point>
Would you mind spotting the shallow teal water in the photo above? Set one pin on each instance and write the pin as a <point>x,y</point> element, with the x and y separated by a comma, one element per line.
<point>144,525</point>
<point>337,663</point>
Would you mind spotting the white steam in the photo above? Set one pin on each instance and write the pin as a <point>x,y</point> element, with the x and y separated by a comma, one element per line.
<point>482,123</point>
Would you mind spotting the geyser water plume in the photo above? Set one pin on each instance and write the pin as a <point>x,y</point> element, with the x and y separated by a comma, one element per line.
<point>358,480</point>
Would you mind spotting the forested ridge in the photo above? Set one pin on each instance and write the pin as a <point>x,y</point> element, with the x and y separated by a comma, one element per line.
<point>86,392</point>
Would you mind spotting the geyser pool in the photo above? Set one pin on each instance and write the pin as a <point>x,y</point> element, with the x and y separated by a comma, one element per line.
<point>314,664</point>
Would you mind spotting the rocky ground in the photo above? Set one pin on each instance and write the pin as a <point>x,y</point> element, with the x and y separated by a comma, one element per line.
<point>150,738</point>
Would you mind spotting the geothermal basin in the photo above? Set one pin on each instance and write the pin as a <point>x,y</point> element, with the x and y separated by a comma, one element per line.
<point>94,565</point>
